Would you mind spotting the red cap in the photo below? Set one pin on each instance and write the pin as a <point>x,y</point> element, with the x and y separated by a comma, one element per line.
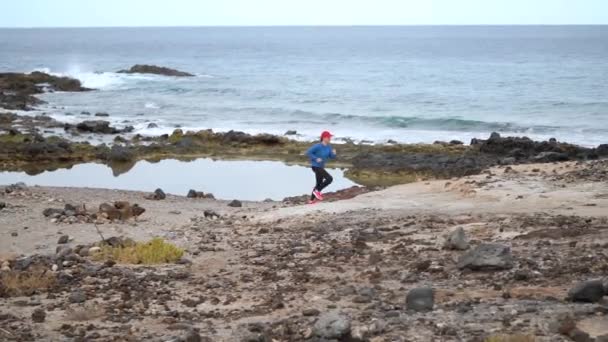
<point>326,134</point>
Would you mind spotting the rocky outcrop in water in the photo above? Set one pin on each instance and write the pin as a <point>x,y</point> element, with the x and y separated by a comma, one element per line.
<point>17,90</point>
<point>156,70</point>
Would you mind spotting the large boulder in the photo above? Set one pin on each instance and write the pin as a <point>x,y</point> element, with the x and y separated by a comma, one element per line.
<point>332,325</point>
<point>156,70</point>
<point>420,299</point>
<point>120,154</point>
<point>591,291</point>
<point>487,256</point>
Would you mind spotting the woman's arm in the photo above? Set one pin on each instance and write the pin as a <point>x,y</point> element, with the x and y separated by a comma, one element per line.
<point>312,153</point>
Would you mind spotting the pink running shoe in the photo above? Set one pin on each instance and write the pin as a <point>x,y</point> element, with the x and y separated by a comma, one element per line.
<point>318,194</point>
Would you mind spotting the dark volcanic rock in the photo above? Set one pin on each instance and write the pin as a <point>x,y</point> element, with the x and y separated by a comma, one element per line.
<point>235,204</point>
<point>77,297</point>
<point>160,194</point>
<point>199,194</point>
<point>63,239</point>
<point>420,299</point>
<point>2,205</point>
<point>96,126</point>
<point>102,114</point>
<point>591,291</point>
<point>487,256</point>
<point>38,316</point>
<point>437,164</point>
<point>156,70</point>
<point>17,90</point>
<point>332,325</point>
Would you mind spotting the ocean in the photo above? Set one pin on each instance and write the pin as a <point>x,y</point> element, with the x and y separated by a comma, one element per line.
<point>403,83</point>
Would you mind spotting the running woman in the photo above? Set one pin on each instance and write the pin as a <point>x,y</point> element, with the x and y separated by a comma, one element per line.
<point>319,153</point>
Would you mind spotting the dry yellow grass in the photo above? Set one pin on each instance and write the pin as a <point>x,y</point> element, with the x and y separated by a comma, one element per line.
<point>16,283</point>
<point>156,251</point>
<point>511,338</point>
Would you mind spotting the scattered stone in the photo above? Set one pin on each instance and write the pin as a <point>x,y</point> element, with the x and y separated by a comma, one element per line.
<point>199,194</point>
<point>591,291</point>
<point>235,204</point>
<point>311,312</point>
<point>158,195</point>
<point>38,316</point>
<point>487,256</point>
<point>63,239</point>
<point>77,297</point>
<point>120,210</point>
<point>420,299</point>
<point>332,325</point>
<point>456,239</point>
<point>211,214</point>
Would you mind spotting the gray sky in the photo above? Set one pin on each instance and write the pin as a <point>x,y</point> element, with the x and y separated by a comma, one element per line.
<point>62,13</point>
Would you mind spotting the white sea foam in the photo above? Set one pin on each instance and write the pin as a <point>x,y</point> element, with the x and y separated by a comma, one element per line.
<point>96,79</point>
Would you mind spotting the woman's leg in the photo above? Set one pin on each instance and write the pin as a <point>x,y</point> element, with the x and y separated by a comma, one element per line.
<point>319,180</point>
<point>327,179</point>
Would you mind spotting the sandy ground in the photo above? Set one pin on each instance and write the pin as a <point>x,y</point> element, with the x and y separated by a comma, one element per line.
<point>266,271</point>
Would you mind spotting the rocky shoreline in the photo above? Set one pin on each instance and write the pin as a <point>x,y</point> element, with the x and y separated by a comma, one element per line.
<point>27,145</point>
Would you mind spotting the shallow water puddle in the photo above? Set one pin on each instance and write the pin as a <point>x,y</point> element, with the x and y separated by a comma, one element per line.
<point>245,180</point>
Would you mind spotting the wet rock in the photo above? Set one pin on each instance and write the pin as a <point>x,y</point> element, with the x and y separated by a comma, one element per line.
<point>152,125</point>
<point>156,70</point>
<point>102,114</point>
<point>291,132</point>
<point>77,296</point>
<point>591,291</point>
<point>96,126</point>
<point>38,316</point>
<point>63,239</point>
<point>420,299</point>
<point>2,205</point>
<point>235,204</point>
<point>17,90</point>
<point>332,325</point>
<point>487,256</point>
<point>456,239</point>
<point>120,154</point>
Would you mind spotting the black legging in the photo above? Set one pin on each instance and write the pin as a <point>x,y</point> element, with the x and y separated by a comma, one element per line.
<point>323,179</point>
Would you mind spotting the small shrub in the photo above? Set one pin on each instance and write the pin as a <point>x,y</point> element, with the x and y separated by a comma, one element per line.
<point>511,338</point>
<point>26,283</point>
<point>156,251</point>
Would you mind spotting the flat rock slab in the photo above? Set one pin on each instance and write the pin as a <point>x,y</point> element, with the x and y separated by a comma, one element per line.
<point>487,256</point>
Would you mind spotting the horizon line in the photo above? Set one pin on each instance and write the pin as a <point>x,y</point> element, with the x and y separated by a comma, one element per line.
<point>289,25</point>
